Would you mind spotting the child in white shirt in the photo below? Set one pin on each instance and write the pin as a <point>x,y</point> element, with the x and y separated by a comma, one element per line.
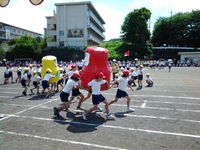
<point>97,97</point>
<point>121,91</point>
<point>149,80</point>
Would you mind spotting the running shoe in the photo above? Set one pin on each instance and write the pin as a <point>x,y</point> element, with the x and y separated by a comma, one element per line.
<point>84,116</point>
<point>130,109</point>
<point>99,109</point>
<point>110,117</point>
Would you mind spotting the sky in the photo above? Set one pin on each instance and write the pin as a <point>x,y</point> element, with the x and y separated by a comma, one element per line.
<point>23,14</point>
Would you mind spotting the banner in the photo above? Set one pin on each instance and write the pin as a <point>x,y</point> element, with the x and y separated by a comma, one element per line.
<point>127,53</point>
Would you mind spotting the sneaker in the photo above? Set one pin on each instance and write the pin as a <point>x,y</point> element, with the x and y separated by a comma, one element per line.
<point>84,116</point>
<point>56,113</point>
<point>130,109</point>
<point>80,108</point>
<point>110,117</point>
<point>99,109</point>
<point>24,93</point>
<point>47,97</point>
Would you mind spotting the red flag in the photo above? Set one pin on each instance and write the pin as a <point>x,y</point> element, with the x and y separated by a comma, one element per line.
<point>127,53</point>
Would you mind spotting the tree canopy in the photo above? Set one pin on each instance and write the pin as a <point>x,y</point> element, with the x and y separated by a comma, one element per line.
<point>181,29</point>
<point>135,31</point>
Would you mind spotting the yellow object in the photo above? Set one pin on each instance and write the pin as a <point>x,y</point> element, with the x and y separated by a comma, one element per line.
<point>34,72</point>
<point>25,69</point>
<point>49,63</point>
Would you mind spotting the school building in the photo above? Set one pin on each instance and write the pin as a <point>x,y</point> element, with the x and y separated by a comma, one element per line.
<point>8,31</point>
<point>75,24</point>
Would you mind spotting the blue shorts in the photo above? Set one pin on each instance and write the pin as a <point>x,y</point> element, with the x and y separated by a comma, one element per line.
<point>134,77</point>
<point>121,93</point>
<point>6,76</point>
<point>19,73</point>
<point>64,96</point>
<point>29,76</point>
<point>61,81</point>
<point>45,84</point>
<point>75,92</point>
<point>10,74</point>
<point>140,77</point>
<point>35,83</point>
<point>23,82</point>
<point>96,99</point>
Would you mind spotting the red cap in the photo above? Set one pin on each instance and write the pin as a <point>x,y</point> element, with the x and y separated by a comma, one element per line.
<point>38,65</point>
<point>75,74</point>
<point>126,72</point>
<point>100,75</point>
<point>73,66</point>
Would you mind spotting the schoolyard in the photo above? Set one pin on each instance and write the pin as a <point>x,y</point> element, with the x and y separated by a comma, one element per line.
<point>167,116</point>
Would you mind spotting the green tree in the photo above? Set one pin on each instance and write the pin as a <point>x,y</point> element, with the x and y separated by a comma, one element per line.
<point>27,47</point>
<point>2,53</point>
<point>135,31</point>
<point>182,29</point>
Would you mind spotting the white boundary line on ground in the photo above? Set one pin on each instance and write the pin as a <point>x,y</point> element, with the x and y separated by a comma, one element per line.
<point>144,104</point>
<point>113,127</point>
<point>60,140</point>
<point>29,108</point>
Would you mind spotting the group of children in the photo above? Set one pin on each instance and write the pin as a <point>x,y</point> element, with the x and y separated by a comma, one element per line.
<point>94,87</point>
<point>138,76</point>
<point>72,84</point>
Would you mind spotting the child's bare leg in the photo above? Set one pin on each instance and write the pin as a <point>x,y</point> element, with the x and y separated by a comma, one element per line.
<point>113,101</point>
<point>91,109</point>
<point>106,106</point>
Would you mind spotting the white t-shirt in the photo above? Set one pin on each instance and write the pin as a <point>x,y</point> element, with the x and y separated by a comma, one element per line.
<point>19,69</point>
<point>30,71</point>
<point>36,78</point>
<point>38,70</point>
<point>140,72</point>
<point>133,74</point>
<point>123,82</point>
<point>6,71</point>
<point>47,77</point>
<point>25,76</point>
<point>149,79</point>
<point>70,74</point>
<point>69,86</point>
<point>96,86</point>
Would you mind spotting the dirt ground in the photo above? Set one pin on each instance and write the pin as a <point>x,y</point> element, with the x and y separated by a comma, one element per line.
<point>167,116</point>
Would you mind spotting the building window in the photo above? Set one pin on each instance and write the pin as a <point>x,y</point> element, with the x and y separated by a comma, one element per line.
<point>61,44</point>
<point>18,32</point>
<point>14,30</point>
<point>61,33</point>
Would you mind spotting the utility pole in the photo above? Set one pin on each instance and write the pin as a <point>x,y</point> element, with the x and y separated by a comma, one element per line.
<point>170,32</point>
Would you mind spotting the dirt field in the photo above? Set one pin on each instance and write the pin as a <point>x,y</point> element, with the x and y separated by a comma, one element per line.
<point>167,116</point>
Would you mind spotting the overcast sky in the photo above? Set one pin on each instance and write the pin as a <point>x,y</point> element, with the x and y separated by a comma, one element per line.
<point>22,13</point>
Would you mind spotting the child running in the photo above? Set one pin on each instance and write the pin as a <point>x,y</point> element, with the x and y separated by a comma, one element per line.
<point>123,83</point>
<point>97,97</point>
<point>19,73</point>
<point>24,81</point>
<point>64,95</point>
<point>36,81</point>
<point>45,82</point>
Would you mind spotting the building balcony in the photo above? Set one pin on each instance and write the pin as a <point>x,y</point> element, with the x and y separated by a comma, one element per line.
<point>94,18</point>
<point>96,30</point>
<point>94,39</point>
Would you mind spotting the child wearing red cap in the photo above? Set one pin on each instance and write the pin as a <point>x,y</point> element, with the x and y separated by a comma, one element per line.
<point>121,91</point>
<point>70,73</point>
<point>97,97</point>
<point>64,95</point>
